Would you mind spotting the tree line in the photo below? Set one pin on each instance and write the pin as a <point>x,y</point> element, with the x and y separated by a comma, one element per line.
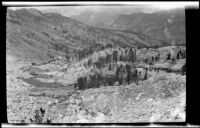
<point>123,74</point>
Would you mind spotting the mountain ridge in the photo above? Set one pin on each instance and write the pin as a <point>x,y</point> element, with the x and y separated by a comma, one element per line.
<point>167,25</point>
<point>41,36</point>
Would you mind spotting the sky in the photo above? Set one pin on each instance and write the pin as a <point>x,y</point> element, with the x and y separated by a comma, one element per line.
<point>147,7</point>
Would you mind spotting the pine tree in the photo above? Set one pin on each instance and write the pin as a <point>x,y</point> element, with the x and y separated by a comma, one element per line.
<point>109,67</point>
<point>128,79</point>
<point>169,56</point>
<point>158,56</point>
<point>115,54</point>
<point>183,69</point>
<point>128,70</point>
<point>184,54</point>
<point>173,60</point>
<point>146,60</point>
<point>136,76</point>
<point>80,83</point>
<point>152,58</point>
<point>145,76</point>
<point>135,55</point>
<point>178,55</point>
<point>131,56</point>
<point>117,74</point>
<point>85,83</point>
<point>121,58</point>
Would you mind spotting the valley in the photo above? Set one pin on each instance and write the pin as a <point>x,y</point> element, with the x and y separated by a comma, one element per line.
<point>60,70</point>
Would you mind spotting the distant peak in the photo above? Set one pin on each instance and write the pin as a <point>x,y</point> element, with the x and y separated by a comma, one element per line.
<point>31,11</point>
<point>34,12</point>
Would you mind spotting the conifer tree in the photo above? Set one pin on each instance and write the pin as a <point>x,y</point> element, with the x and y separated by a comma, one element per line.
<point>117,74</point>
<point>178,55</point>
<point>115,54</point>
<point>131,56</point>
<point>152,58</point>
<point>173,60</point>
<point>80,83</point>
<point>145,76</point>
<point>109,67</point>
<point>169,56</point>
<point>128,70</point>
<point>136,76</point>
<point>183,69</point>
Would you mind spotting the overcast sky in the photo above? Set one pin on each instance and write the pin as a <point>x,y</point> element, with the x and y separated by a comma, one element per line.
<point>146,7</point>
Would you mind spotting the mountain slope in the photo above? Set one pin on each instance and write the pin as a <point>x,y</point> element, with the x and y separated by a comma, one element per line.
<point>37,36</point>
<point>103,16</point>
<point>167,25</point>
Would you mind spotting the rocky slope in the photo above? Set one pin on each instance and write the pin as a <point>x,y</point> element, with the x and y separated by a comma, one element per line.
<point>35,36</point>
<point>161,98</point>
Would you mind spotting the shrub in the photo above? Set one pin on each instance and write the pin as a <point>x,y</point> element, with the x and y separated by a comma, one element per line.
<point>165,92</point>
<point>39,117</point>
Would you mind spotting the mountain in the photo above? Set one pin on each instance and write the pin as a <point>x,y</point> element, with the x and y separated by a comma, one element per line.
<point>39,37</point>
<point>97,18</point>
<point>164,25</point>
<point>167,25</point>
<point>103,16</point>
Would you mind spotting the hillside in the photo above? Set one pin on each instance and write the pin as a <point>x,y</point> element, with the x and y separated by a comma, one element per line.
<point>164,25</point>
<point>105,93</point>
<point>38,37</point>
<point>60,70</point>
<point>103,16</point>
<point>167,25</point>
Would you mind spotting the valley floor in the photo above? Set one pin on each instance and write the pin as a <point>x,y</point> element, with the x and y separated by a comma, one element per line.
<point>160,98</point>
